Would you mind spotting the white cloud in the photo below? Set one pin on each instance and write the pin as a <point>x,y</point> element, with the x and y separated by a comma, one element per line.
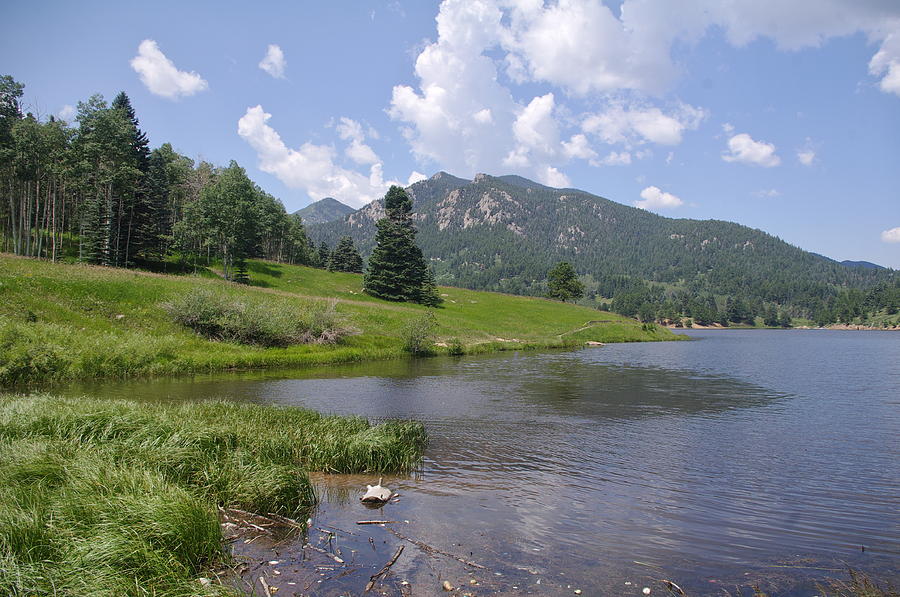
<point>742,148</point>
<point>891,236</point>
<point>655,198</point>
<point>415,177</point>
<point>552,177</point>
<point>767,193</point>
<point>67,113</point>
<point>311,167</point>
<point>631,125</point>
<point>583,46</point>
<point>578,147</point>
<point>806,157</point>
<point>615,158</point>
<point>274,62</point>
<point>160,75</point>
<point>350,130</point>
<point>728,128</point>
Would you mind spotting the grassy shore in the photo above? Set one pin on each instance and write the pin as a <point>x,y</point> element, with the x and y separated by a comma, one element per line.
<point>117,498</point>
<point>63,322</point>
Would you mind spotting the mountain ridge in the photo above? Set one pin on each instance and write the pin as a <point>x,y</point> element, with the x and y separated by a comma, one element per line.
<point>504,233</point>
<point>324,210</point>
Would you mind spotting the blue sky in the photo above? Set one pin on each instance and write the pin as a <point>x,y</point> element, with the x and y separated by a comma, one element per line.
<point>778,115</point>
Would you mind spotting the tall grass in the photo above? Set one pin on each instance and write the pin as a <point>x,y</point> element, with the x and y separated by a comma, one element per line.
<point>117,498</point>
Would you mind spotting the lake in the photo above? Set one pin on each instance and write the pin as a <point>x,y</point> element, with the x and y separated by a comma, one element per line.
<point>741,457</point>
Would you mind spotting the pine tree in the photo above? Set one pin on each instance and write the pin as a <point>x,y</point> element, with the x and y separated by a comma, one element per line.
<point>397,269</point>
<point>324,254</point>
<point>345,257</point>
<point>429,295</point>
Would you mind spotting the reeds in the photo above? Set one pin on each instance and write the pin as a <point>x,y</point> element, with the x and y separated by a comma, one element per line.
<point>117,498</point>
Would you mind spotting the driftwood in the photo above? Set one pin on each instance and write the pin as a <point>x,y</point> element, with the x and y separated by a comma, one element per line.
<point>326,552</point>
<point>265,586</point>
<point>673,588</point>
<point>374,578</point>
<point>378,522</point>
<point>427,548</point>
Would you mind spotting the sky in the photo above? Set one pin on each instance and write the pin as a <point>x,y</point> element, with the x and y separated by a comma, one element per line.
<point>782,116</point>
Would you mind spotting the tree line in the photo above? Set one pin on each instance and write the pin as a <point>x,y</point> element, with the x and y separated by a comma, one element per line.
<point>95,191</point>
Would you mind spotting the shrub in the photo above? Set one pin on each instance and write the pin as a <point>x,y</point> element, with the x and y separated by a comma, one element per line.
<point>418,334</point>
<point>271,324</point>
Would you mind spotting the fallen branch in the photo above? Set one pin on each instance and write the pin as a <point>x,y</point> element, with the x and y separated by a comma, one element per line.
<point>265,586</point>
<point>673,588</point>
<point>430,549</point>
<point>326,552</point>
<point>374,578</point>
<point>378,522</point>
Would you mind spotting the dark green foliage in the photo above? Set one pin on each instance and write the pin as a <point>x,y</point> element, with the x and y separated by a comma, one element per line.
<point>219,317</point>
<point>97,193</point>
<point>397,269</point>
<point>563,283</point>
<point>324,210</point>
<point>504,234</point>
<point>429,295</point>
<point>345,257</point>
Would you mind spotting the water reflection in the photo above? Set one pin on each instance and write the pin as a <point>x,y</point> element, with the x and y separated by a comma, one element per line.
<point>726,454</point>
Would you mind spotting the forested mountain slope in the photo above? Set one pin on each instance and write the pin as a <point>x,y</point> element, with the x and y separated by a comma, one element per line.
<point>504,233</point>
<point>324,210</point>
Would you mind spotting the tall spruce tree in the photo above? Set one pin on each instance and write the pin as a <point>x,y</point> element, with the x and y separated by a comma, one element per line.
<point>397,269</point>
<point>563,284</point>
<point>345,257</point>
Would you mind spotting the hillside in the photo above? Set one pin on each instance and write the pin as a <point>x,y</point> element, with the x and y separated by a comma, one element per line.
<point>324,210</point>
<point>504,233</point>
<point>61,322</point>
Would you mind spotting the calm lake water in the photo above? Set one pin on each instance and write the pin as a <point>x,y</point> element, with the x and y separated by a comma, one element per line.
<point>742,457</point>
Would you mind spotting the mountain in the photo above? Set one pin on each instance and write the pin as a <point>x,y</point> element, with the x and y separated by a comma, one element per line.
<point>862,264</point>
<point>324,210</point>
<point>504,233</point>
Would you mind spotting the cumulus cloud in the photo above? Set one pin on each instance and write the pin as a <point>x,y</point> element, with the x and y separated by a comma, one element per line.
<point>891,236</point>
<point>552,177</point>
<point>578,147</point>
<point>311,167</point>
<point>350,130</point>
<point>67,113</point>
<point>160,75</point>
<point>583,46</point>
<point>806,156</point>
<point>767,193</point>
<point>742,148</point>
<point>632,125</point>
<point>655,198</point>
<point>415,177</point>
<point>273,62</point>
<point>615,158</point>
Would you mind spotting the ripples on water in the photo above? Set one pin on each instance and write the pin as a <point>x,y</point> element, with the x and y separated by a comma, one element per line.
<point>735,452</point>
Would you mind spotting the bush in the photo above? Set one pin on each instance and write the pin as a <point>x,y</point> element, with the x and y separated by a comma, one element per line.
<point>418,334</point>
<point>271,324</point>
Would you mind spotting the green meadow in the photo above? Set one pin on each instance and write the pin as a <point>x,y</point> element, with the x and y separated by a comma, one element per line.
<point>65,322</point>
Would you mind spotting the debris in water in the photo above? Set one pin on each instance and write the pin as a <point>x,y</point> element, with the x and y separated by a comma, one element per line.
<point>646,591</point>
<point>376,494</point>
<point>447,586</point>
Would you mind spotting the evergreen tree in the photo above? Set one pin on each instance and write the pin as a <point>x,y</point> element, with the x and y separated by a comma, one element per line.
<point>397,269</point>
<point>563,284</point>
<point>430,297</point>
<point>324,254</point>
<point>345,257</point>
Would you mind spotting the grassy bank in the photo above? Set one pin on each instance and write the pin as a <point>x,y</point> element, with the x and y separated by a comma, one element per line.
<point>63,322</point>
<point>117,498</point>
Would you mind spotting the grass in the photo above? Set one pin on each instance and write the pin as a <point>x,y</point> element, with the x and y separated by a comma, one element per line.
<point>118,498</point>
<point>64,322</point>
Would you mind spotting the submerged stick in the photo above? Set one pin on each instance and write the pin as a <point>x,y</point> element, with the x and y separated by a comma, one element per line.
<point>374,578</point>
<point>326,552</point>
<point>378,522</point>
<point>430,549</point>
